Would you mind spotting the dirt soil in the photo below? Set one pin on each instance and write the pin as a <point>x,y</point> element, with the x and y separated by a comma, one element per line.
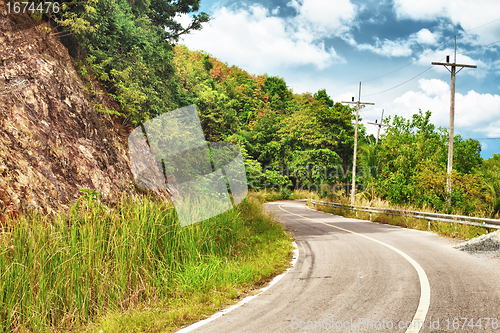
<point>53,142</point>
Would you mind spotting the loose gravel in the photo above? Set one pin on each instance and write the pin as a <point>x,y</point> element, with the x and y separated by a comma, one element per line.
<point>483,244</point>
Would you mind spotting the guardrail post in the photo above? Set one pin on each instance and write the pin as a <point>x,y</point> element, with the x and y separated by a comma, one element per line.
<point>370,216</point>
<point>428,225</point>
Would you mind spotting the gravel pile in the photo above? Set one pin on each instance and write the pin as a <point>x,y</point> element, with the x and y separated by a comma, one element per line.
<point>485,243</point>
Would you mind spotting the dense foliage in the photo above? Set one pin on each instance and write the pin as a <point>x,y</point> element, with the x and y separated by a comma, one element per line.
<point>288,140</point>
<point>491,171</point>
<point>128,47</point>
<point>411,168</point>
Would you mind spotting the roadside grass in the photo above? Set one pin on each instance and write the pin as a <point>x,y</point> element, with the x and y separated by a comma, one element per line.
<point>269,196</point>
<point>451,230</point>
<point>132,267</point>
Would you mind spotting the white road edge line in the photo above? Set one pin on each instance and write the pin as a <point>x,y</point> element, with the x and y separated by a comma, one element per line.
<point>425,289</point>
<point>247,299</point>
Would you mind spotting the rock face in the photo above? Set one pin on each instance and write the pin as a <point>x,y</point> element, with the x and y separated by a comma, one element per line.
<point>53,142</point>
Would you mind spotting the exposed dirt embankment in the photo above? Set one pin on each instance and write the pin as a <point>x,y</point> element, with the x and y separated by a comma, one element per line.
<point>52,140</point>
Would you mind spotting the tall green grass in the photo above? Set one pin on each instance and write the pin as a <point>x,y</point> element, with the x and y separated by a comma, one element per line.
<point>64,272</point>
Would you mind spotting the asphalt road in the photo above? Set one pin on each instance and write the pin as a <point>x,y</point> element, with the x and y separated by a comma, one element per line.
<point>357,276</point>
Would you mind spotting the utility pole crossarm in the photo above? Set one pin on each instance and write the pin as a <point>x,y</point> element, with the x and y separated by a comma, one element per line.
<point>360,103</point>
<point>453,64</point>
<point>378,124</point>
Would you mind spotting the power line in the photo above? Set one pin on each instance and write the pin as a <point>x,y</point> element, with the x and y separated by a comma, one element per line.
<point>397,70</point>
<point>468,31</point>
<point>433,50</point>
<point>399,85</point>
<point>485,138</point>
<point>383,91</point>
<point>362,114</point>
<point>480,47</point>
<point>413,61</point>
<point>396,86</point>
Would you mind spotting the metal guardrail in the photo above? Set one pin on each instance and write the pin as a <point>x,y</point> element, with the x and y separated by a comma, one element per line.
<point>477,221</point>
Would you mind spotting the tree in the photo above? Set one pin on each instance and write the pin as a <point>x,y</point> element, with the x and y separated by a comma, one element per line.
<point>316,137</point>
<point>163,12</point>
<point>277,93</point>
<point>491,172</point>
<point>127,45</point>
<point>412,167</point>
<point>323,97</point>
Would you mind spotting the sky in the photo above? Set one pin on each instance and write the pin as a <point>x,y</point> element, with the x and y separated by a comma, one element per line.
<point>386,45</point>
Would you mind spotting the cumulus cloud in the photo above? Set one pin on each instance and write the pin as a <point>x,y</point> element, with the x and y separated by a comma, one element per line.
<point>389,48</point>
<point>327,17</point>
<point>475,113</point>
<point>470,15</point>
<point>400,47</point>
<point>424,36</point>
<point>428,56</point>
<point>257,40</point>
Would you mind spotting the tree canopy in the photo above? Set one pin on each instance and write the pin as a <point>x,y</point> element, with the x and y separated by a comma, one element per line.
<point>290,139</point>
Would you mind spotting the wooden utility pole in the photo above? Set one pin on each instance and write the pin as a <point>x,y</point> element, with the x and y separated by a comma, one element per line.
<point>453,72</point>
<point>353,186</point>
<point>379,125</point>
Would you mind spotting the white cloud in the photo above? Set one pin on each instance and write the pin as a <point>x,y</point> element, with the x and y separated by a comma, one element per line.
<point>327,17</point>
<point>399,47</point>
<point>257,41</point>
<point>389,48</point>
<point>424,36</point>
<point>420,10</point>
<point>496,66</point>
<point>475,113</point>
<point>429,56</point>
<point>479,112</point>
<point>434,87</point>
<point>493,130</point>
<point>468,14</point>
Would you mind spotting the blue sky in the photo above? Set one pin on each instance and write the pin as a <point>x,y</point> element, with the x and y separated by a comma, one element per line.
<point>334,45</point>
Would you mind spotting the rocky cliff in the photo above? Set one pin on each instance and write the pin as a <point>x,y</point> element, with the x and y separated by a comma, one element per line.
<point>53,142</point>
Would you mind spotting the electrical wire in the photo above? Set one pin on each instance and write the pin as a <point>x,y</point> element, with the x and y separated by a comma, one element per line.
<point>399,85</point>
<point>468,31</point>
<point>433,50</point>
<point>480,47</point>
<point>485,138</point>
<point>383,91</point>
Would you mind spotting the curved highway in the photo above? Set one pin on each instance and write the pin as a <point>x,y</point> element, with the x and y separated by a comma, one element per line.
<point>357,276</point>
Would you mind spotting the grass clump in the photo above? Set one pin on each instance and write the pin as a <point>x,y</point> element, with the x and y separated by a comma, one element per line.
<point>132,267</point>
